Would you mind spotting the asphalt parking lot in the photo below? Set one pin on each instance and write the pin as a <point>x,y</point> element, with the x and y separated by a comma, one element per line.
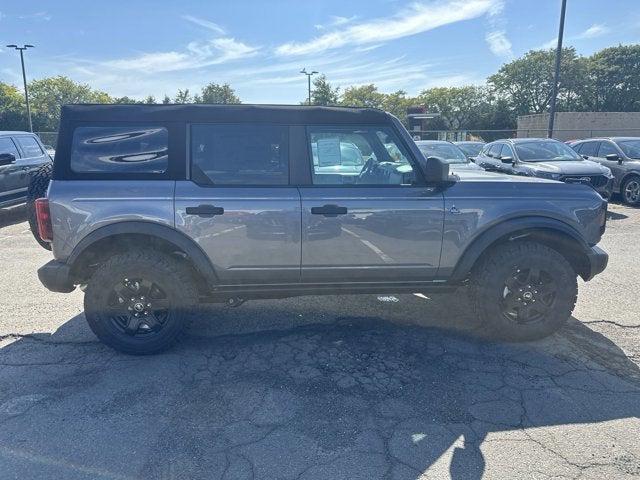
<point>321,387</point>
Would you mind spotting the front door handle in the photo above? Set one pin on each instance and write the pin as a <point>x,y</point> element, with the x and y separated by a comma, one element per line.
<point>205,210</point>
<point>329,210</point>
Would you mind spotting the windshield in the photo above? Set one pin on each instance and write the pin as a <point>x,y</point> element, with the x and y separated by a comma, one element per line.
<point>545,151</point>
<point>471,149</point>
<point>631,148</point>
<point>446,151</point>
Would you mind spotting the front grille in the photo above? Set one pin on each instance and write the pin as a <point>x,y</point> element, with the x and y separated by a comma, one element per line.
<point>595,181</point>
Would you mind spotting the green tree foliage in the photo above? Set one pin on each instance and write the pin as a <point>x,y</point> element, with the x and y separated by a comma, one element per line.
<point>527,81</point>
<point>362,96</point>
<point>49,94</point>
<point>183,96</point>
<point>215,93</point>
<point>323,93</point>
<point>614,74</point>
<point>13,114</point>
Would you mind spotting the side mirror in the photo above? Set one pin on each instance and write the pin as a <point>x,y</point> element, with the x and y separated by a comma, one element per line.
<point>506,159</point>
<point>7,158</point>
<point>435,170</point>
<point>612,157</point>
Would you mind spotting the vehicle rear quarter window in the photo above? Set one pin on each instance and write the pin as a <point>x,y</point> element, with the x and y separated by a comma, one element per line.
<point>7,146</point>
<point>240,154</point>
<point>29,146</point>
<point>589,148</point>
<point>130,149</point>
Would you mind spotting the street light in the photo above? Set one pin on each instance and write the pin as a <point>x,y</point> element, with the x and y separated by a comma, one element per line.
<point>24,79</point>
<point>309,75</point>
<point>556,77</point>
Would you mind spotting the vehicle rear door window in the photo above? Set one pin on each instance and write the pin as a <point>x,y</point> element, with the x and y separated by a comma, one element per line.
<point>358,156</point>
<point>607,148</point>
<point>7,146</point>
<point>29,146</point>
<point>130,149</point>
<point>589,149</point>
<point>240,154</point>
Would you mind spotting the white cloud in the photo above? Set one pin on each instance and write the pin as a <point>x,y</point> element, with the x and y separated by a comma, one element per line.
<point>499,44</point>
<point>496,37</point>
<point>214,27</point>
<point>336,21</point>
<point>418,18</point>
<point>43,16</point>
<point>595,30</point>
<point>196,55</point>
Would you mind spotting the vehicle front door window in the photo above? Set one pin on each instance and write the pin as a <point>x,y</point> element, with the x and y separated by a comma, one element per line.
<point>7,146</point>
<point>590,149</point>
<point>358,156</point>
<point>607,148</point>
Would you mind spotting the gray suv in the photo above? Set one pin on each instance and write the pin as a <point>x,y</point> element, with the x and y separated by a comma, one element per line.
<point>153,209</point>
<point>622,156</point>
<point>21,155</point>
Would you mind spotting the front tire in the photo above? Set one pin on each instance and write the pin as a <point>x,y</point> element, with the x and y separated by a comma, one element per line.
<point>139,302</point>
<point>631,191</point>
<point>523,291</point>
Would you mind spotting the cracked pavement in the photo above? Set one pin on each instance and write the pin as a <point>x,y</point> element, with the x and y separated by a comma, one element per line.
<point>340,387</point>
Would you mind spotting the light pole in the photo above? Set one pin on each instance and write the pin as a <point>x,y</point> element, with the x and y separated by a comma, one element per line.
<point>24,79</point>
<point>309,75</point>
<point>556,77</point>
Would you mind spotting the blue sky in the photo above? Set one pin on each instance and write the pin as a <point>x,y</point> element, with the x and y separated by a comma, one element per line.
<point>154,47</point>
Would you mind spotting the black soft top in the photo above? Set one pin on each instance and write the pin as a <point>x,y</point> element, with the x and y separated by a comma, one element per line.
<point>209,113</point>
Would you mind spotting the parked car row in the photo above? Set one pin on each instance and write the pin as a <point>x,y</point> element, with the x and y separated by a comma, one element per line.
<point>609,165</point>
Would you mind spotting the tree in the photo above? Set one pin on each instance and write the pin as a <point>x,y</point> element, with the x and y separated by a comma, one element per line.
<point>215,93</point>
<point>527,81</point>
<point>150,100</point>
<point>183,96</point>
<point>49,94</point>
<point>613,73</point>
<point>363,96</point>
<point>166,100</point>
<point>323,93</point>
<point>13,113</point>
<point>459,107</point>
<point>397,103</point>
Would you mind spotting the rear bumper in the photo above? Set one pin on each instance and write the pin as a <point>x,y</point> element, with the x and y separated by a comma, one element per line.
<point>56,276</point>
<point>598,260</point>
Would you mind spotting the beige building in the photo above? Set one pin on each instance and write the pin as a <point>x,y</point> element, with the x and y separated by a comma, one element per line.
<point>574,125</point>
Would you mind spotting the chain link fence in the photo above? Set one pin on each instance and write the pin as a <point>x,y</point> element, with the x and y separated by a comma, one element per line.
<point>48,138</point>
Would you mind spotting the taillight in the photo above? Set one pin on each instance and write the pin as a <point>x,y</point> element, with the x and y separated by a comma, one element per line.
<point>43,217</point>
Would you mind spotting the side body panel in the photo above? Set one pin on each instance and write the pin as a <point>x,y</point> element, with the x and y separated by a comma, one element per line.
<point>79,207</point>
<point>388,234</point>
<point>474,205</point>
<point>255,240</point>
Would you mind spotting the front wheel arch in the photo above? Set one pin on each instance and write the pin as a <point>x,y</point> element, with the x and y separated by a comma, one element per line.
<point>550,232</point>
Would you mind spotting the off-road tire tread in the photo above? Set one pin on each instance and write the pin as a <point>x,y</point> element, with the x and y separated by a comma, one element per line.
<point>483,276</point>
<point>173,268</point>
<point>38,184</point>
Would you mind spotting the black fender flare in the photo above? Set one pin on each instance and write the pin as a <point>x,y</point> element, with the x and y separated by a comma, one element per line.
<point>518,227</point>
<point>199,259</point>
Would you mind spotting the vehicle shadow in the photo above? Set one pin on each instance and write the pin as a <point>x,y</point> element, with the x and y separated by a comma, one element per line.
<point>616,216</point>
<point>352,396</point>
<point>12,215</point>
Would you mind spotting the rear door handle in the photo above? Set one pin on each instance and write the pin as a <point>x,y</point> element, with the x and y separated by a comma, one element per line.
<point>205,210</point>
<point>329,210</point>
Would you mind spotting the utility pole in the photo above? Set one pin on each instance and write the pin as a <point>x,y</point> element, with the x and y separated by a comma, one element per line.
<point>309,75</point>
<point>24,80</point>
<point>556,77</point>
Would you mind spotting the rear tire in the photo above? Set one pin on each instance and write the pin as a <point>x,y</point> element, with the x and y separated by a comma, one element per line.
<point>523,291</point>
<point>631,191</point>
<point>38,185</point>
<point>139,302</point>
